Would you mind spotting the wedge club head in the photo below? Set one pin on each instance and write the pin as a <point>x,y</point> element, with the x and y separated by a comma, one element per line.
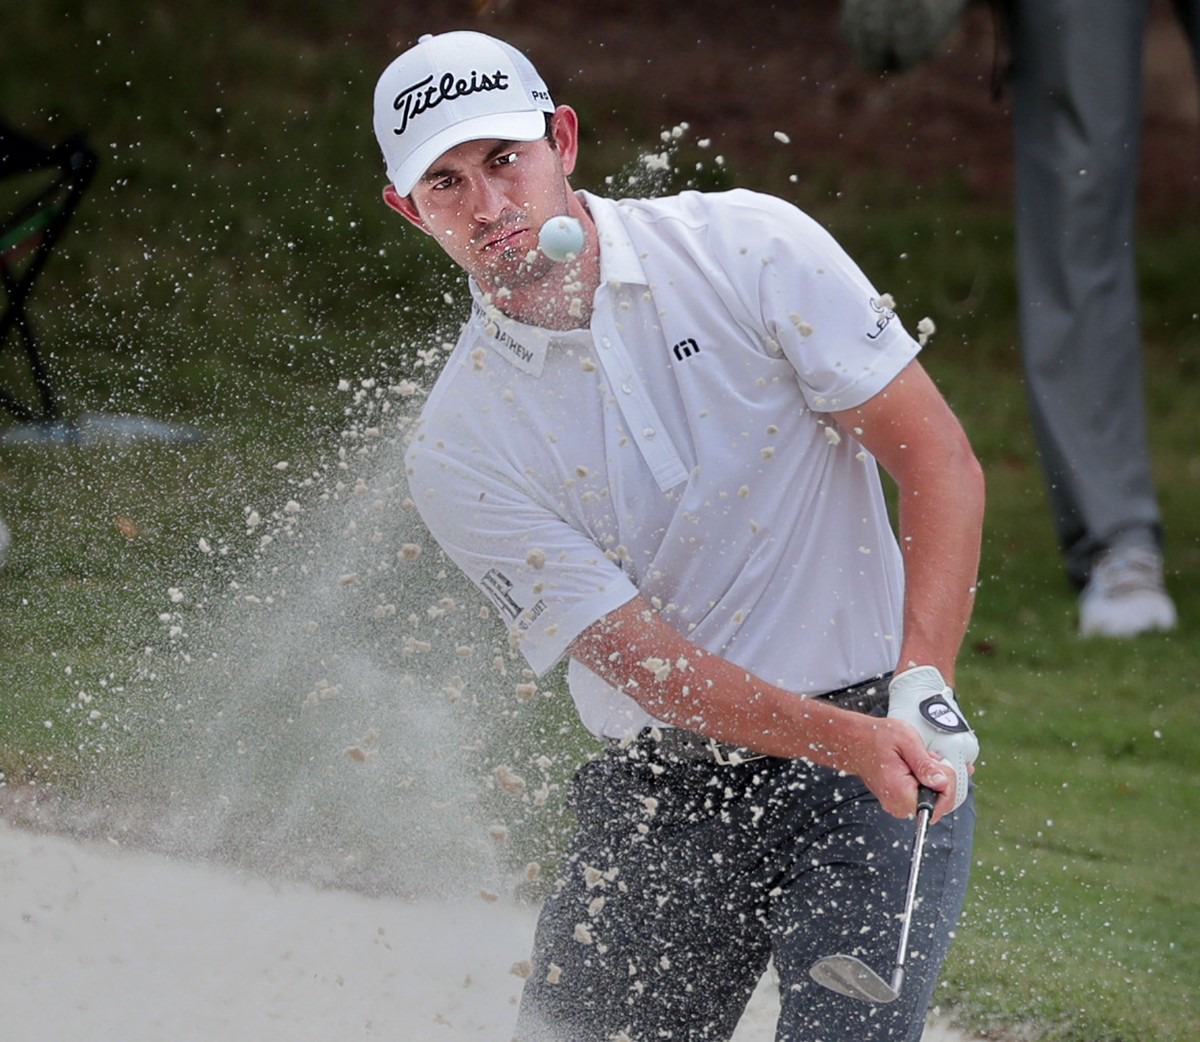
<point>852,977</point>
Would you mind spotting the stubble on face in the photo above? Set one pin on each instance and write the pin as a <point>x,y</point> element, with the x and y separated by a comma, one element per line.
<point>511,266</point>
<point>519,278</point>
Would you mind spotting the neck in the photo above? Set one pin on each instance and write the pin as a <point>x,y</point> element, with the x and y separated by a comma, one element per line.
<point>561,299</point>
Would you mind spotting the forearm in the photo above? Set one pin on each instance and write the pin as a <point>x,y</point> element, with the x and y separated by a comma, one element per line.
<point>634,650</point>
<point>940,531</point>
<point>912,433</point>
<point>679,683</point>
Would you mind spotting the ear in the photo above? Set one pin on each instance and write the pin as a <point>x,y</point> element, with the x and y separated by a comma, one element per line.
<point>564,128</point>
<point>403,205</point>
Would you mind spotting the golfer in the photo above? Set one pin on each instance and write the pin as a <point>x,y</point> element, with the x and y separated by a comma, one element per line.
<point>659,460</point>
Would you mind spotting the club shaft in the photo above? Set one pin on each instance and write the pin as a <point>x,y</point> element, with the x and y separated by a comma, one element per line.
<point>925,800</point>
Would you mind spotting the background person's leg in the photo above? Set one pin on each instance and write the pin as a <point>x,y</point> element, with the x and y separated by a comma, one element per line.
<point>1077,69</point>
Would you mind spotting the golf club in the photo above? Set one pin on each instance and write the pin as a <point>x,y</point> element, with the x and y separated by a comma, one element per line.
<point>849,975</point>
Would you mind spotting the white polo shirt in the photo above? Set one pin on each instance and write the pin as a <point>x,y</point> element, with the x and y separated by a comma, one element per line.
<point>679,447</point>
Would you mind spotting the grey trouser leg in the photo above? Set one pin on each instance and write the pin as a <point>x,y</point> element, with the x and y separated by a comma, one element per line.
<point>680,886</point>
<point>1077,68</point>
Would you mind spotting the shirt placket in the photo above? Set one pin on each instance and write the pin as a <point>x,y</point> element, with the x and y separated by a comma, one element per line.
<point>641,417</point>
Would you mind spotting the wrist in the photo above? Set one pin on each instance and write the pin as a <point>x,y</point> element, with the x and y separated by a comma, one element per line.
<point>919,665</point>
<point>831,735</point>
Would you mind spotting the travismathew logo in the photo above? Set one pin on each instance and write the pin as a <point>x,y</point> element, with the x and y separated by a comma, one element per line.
<point>426,95</point>
<point>523,357</point>
<point>686,348</point>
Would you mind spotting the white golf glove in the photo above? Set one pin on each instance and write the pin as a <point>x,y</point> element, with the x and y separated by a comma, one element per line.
<point>922,698</point>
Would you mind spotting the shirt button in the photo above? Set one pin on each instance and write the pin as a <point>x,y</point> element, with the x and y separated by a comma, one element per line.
<point>648,432</point>
<point>626,388</point>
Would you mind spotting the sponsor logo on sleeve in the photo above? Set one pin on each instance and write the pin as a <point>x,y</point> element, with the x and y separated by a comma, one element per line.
<point>498,588</point>
<point>885,315</point>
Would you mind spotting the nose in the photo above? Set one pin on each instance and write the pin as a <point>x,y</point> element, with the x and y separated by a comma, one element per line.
<point>487,203</point>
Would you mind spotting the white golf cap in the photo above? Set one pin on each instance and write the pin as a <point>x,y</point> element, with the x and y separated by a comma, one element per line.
<point>449,89</point>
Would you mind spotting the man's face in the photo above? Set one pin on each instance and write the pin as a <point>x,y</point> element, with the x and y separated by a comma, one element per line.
<point>484,202</point>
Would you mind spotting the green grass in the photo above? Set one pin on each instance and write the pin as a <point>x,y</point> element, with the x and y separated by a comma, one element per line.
<point>233,263</point>
<point>1084,913</point>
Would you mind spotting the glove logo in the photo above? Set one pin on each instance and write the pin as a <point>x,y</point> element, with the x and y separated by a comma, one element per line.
<point>943,716</point>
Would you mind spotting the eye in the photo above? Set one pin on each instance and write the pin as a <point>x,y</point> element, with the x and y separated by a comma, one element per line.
<point>507,159</point>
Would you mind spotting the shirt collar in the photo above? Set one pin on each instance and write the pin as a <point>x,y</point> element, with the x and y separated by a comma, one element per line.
<point>619,262</point>
<point>522,345</point>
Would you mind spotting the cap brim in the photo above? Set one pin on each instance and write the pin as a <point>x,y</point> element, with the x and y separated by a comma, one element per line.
<point>511,126</point>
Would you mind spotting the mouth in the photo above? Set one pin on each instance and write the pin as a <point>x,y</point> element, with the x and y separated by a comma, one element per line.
<point>504,240</point>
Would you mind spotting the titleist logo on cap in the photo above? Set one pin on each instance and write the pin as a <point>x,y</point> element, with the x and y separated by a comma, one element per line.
<point>426,95</point>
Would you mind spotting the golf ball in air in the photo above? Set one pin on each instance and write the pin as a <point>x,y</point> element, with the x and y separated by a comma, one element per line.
<point>561,238</point>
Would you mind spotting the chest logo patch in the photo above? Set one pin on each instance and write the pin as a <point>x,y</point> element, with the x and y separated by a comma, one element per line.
<point>685,349</point>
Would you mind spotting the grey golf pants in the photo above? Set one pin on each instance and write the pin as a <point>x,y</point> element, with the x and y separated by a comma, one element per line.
<point>686,877</point>
<point>1077,110</point>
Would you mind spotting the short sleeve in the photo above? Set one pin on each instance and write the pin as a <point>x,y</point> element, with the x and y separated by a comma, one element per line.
<point>547,580</point>
<point>816,306</point>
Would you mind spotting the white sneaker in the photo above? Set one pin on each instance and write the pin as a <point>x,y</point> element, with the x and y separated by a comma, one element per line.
<point>1125,595</point>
